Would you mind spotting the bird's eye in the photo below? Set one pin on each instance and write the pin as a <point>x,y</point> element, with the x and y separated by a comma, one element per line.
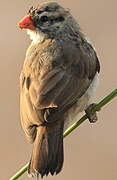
<point>44,19</point>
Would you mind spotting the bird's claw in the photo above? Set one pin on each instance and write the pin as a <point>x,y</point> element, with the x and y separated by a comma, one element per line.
<point>92,116</point>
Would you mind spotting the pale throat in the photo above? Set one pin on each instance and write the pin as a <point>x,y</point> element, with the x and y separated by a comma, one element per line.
<point>35,36</point>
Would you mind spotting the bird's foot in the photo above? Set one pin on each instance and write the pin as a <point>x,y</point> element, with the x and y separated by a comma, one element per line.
<point>92,116</point>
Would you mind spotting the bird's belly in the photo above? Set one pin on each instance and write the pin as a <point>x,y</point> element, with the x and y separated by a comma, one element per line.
<point>73,113</point>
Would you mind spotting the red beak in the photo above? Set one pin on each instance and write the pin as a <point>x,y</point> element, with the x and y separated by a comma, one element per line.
<point>26,23</point>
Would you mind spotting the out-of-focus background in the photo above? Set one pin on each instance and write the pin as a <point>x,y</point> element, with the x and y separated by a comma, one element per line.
<point>91,150</point>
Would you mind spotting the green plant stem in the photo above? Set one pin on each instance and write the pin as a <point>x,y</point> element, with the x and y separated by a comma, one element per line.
<point>20,172</point>
<point>97,107</point>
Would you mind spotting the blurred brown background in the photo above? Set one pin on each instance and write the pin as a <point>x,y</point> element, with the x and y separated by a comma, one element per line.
<point>91,150</point>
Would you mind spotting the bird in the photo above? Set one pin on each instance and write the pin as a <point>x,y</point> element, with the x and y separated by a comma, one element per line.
<point>58,79</point>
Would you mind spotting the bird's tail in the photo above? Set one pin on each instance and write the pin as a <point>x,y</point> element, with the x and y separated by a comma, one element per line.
<point>47,156</point>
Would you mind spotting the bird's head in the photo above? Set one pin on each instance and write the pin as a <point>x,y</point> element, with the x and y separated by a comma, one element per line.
<point>45,20</point>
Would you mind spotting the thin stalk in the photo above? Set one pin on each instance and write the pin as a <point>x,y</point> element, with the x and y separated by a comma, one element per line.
<point>97,107</point>
<point>20,172</point>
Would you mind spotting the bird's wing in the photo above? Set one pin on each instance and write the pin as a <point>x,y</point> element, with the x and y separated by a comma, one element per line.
<point>60,87</point>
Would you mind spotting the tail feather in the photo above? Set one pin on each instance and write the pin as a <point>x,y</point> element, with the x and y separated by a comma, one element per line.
<point>47,156</point>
